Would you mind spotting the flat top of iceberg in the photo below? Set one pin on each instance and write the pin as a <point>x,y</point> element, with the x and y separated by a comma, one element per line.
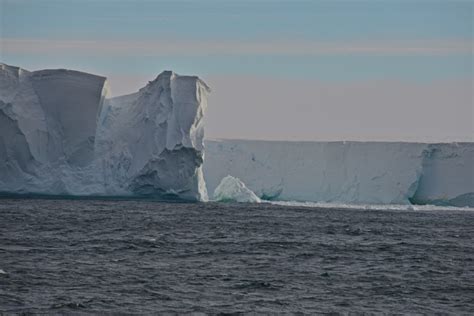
<point>242,140</point>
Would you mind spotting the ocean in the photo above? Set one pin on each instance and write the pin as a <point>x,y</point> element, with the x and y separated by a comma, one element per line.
<point>142,257</point>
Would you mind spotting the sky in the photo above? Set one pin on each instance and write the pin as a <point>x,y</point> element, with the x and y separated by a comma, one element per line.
<point>384,70</point>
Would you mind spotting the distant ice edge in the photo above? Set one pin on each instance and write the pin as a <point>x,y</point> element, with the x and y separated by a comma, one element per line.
<point>347,173</point>
<point>61,135</point>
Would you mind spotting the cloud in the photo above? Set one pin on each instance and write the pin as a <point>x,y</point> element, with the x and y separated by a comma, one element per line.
<point>235,47</point>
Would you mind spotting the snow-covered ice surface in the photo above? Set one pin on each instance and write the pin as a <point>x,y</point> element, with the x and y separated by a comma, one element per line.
<point>59,135</point>
<point>347,172</point>
<point>231,189</point>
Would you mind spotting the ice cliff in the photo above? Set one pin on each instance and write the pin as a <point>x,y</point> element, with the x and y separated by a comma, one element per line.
<point>347,172</point>
<point>60,135</point>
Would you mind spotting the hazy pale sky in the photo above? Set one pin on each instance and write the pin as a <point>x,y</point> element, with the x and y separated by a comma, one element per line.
<point>299,70</point>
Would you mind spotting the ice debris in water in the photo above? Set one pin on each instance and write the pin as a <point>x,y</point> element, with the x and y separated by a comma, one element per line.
<point>231,189</point>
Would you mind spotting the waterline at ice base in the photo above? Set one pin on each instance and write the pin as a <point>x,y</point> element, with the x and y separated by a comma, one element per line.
<point>62,135</point>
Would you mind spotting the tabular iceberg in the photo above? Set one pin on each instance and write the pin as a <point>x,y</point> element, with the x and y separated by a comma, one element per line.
<point>60,135</point>
<point>347,172</point>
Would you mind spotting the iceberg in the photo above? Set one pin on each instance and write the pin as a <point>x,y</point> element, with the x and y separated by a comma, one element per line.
<point>232,189</point>
<point>60,134</point>
<point>347,172</point>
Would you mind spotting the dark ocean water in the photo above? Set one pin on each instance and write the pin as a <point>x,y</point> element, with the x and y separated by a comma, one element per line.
<point>142,257</point>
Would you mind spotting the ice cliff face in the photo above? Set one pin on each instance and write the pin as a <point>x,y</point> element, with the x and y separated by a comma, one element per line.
<point>60,135</point>
<point>447,176</point>
<point>347,172</point>
<point>150,142</point>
